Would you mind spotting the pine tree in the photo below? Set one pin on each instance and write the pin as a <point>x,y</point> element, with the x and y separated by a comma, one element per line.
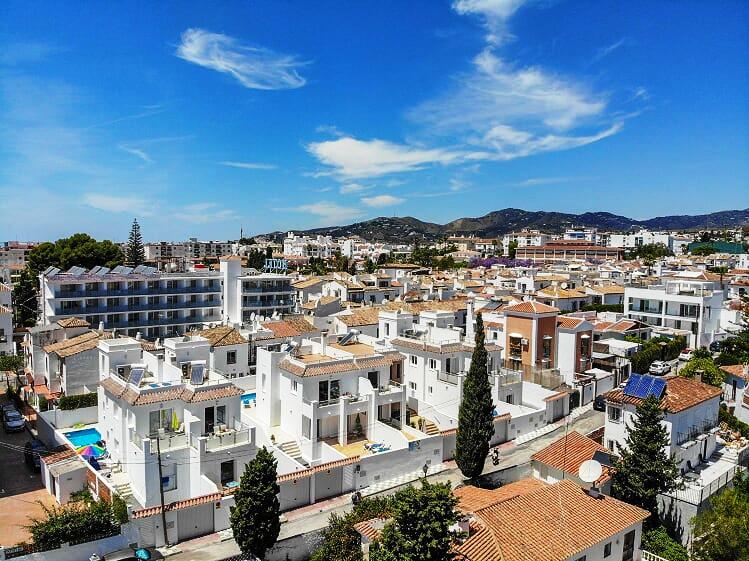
<point>475,418</point>
<point>135,254</point>
<point>644,468</point>
<point>420,529</point>
<point>255,516</point>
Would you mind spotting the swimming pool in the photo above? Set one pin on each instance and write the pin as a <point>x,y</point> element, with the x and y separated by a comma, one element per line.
<point>249,398</point>
<point>83,437</point>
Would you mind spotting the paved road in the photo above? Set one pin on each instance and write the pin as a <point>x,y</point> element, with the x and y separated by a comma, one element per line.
<point>20,487</point>
<point>514,457</point>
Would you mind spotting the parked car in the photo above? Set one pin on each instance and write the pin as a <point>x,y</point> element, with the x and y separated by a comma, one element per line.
<point>659,368</point>
<point>715,347</point>
<point>13,421</point>
<point>599,404</point>
<point>133,554</point>
<point>9,407</point>
<point>31,451</point>
<point>686,354</point>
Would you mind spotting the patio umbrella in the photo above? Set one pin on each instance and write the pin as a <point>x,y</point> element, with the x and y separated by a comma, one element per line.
<point>91,451</point>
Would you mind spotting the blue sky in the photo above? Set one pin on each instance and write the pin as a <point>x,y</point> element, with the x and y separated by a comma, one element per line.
<point>203,118</point>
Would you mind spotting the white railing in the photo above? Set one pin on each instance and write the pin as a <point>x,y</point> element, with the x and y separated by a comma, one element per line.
<point>647,556</point>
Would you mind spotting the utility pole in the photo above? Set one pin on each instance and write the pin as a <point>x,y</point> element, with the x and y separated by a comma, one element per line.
<point>161,490</point>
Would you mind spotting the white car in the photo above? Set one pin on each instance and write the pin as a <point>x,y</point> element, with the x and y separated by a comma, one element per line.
<point>686,355</point>
<point>659,368</point>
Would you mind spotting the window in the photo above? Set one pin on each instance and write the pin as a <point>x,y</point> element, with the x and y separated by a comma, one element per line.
<point>615,414</point>
<point>432,364</point>
<point>510,399</point>
<point>387,330</point>
<point>610,445</point>
<point>547,347</point>
<point>430,389</point>
<point>161,419</point>
<point>169,477</point>
<point>231,357</point>
<point>294,386</point>
<point>607,550</point>
<point>227,472</point>
<point>412,385</point>
<point>413,359</point>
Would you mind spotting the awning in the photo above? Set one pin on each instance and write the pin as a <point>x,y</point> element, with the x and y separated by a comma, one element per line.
<point>516,335</point>
<point>584,336</point>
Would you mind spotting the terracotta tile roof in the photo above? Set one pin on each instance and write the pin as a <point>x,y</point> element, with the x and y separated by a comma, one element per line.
<point>557,293</point>
<point>290,327</point>
<point>482,544</point>
<point>415,308</point>
<point>336,464</point>
<point>57,455</point>
<point>371,529</point>
<point>84,342</point>
<point>5,287</point>
<point>607,289</point>
<point>291,476</point>
<point>73,322</point>
<point>738,370</point>
<point>681,394</point>
<point>566,322</point>
<point>473,498</point>
<point>308,283</point>
<point>221,336</point>
<point>188,394</point>
<point>558,395</point>
<point>362,316</point>
<point>177,505</point>
<point>5,310</point>
<point>531,307</point>
<point>338,366</point>
<point>551,523</point>
<point>569,452</point>
<point>444,348</point>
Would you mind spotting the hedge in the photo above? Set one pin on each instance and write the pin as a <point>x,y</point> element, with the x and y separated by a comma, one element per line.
<point>68,402</point>
<point>651,351</point>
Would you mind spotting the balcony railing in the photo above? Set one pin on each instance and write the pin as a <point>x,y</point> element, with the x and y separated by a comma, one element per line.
<point>448,377</point>
<point>695,430</point>
<point>223,436</point>
<point>142,291</point>
<point>89,310</point>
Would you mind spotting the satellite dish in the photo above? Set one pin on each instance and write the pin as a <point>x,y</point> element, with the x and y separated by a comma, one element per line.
<point>590,471</point>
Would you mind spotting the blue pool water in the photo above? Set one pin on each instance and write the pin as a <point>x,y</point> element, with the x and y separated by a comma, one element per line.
<point>249,398</point>
<point>83,437</point>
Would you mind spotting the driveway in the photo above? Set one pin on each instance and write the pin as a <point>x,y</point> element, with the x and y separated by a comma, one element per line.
<point>20,488</point>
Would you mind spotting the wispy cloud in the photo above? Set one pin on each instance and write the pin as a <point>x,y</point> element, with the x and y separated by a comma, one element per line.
<point>135,206</point>
<point>351,158</point>
<point>149,110</point>
<point>137,152</point>
<point>603,52</point>
<point>382,201</point>
<point>538,181</point>
<point>348,188</point>
<point>248,165</point>
<point>25,52</point>
<point>327,212</point>
<point>203,213</point>
<point>254,67</point>
<point>494,14</point>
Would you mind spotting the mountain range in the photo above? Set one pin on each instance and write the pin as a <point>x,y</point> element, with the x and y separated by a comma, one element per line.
<point>498,222</point>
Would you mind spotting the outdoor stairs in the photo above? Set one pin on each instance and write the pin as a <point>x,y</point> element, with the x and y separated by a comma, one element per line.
<point>125,492</point>
<point>291,448</point>
<point>429,427</point>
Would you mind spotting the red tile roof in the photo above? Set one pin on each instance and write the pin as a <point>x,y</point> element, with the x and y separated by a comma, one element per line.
<point>569,452</point>
<point>681,394</point>
<point>177,505</point>
<point>531,307</point>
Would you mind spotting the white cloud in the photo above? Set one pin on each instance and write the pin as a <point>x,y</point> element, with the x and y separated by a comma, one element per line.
<point>353,158</point>
<point>203,213</point>
<point>253,67</point>
<point>538,181</point>
<point>113,203</point>
<point>348,188</point>
<point>328,213</point>
<point>495,14</point>
<point>603,52</point>
<point>381,201</point>
<point>137,152</point>
<point>248,165</point>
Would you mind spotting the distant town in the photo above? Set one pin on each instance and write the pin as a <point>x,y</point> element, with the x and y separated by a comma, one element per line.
<point>532,375</point>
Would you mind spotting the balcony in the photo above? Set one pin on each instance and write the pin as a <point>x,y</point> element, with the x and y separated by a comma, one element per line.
<point>89,310</point>
<point>448,378</point>
<point>694,431</point>
<point>167,440</point>
<point>142,291</point>
<point>223,436</point>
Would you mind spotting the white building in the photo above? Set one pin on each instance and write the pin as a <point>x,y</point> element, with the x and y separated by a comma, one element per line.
<point>687,304</point>
<point>322,247</point>
<point>6,320</point>
<point>640,238</point>
<point>132,300</point>
<point>247,292</point>
<point>525,238</point>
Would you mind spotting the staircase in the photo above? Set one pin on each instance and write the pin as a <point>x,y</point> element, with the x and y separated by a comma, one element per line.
<point>428,427</point>
<point>291,448</point>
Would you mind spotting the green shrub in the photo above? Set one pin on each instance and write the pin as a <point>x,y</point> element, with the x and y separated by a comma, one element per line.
<point>69,402</point>
<point>725,416</point>
<point>72,522</point>
<point>658,541</point>
<point>119,510</point>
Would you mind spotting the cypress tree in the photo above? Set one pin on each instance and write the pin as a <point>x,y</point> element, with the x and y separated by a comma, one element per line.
<point>475,418</point>
<point>644,468</point>
<point>255,516</point>
<point>135,254</point>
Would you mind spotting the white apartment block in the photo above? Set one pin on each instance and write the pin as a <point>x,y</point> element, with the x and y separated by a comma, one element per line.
<point>13,254</point>
<point>132,300</point>
<point>248,292</point>
<point>525,238</point>
<point>193,249</point>
<point>170,406</point>
<point>322,247</point>
<point>6,320</point>
<point>640,238</point>
<point>689,304</point>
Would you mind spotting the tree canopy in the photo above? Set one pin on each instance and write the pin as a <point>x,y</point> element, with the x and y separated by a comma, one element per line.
<point>78,250</point>
<point>703,367</point>
<point>644,469</point>
<point>135,254</point>
<point>255,516</point>
<point>475,418</point>
<point>420,525</point>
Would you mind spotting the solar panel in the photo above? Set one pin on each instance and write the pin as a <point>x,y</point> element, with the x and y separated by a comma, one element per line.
<point>658,387</point>
<point>603,458</point>
<point>136,375</point>
<point>643,387</point>
<point>346,338</point>
<point>139,269</point>
<point>94,270</point>
<point>632,382</point>
<point>197,373</point>
<point>76,271</point>
<point>102,271</point>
